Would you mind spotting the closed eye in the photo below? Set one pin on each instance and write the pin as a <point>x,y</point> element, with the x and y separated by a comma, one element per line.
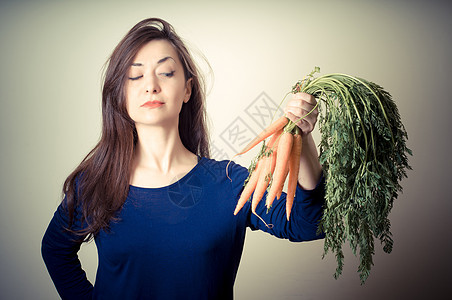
<point>167,74</point>
<point>135,78</point>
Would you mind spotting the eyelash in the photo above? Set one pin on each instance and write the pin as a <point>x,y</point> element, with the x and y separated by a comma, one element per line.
<point>135,78</point>
<point>169,75</point>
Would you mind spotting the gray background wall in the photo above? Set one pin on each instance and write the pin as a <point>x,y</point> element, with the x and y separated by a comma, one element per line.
<point>51,57</point>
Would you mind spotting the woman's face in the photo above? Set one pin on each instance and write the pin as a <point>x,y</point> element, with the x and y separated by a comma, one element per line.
<point>156,86</point>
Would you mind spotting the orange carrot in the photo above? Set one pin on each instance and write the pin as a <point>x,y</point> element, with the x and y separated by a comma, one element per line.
<point>275,126</point>
<point>262,183</point>
<point>252,182</point>
<point>249,187</point>
<point>270,161</point>
<point>294,167</point>
<point>282,159</point>
<point>279,190</point>
<point>273,143</point>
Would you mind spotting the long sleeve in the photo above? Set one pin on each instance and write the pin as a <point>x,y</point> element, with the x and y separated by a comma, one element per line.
<point>59,250</point>
<point>180,241</point>
<point>306,212</point>
<point>304,219</point>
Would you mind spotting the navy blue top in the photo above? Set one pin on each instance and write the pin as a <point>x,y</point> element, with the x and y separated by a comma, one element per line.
<point>181,241</point>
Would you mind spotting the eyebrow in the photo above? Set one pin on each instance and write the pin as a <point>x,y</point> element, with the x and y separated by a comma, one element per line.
<point>158,62</point>
<point>164,59</point>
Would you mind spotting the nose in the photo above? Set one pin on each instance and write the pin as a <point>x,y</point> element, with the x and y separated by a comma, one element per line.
<point>152,85</point>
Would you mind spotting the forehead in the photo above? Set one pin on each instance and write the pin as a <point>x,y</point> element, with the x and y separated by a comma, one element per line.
<point>155,50</point>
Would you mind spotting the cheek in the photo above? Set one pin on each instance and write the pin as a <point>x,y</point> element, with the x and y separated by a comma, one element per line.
<point>131,94</point>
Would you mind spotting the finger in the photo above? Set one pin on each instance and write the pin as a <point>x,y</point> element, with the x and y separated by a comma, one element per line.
<point>304,121</point>
<point>294,118</point>
<point>302,110</point>
<point>296,111</point>
<point>301,100</point>
<point>306,124</point>
<point>305,97</point>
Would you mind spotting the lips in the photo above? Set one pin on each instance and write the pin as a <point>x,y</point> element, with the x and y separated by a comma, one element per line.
<point>152,104</point>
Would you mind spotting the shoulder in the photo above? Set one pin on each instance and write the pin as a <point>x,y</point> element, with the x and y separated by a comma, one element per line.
<point>223,170</point>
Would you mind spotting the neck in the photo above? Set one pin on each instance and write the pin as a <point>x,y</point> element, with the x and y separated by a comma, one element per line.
<point>159,148</point>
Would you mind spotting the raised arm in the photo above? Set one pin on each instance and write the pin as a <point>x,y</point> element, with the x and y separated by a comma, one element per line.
<point>300,105</point>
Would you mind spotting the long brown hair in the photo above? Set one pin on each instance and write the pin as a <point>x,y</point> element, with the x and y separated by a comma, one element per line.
<point>98,187</point>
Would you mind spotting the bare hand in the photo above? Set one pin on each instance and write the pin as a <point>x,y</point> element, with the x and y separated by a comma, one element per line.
<point>300,106</point>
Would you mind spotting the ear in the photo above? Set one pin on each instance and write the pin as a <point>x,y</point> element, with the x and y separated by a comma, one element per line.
<point>188,87</point>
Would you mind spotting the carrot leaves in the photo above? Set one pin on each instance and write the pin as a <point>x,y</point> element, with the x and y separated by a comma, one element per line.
<point>363,152</point>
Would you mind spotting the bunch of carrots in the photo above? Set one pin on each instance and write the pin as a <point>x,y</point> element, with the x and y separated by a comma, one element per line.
<point>277,161</point>
<point>364,156</point>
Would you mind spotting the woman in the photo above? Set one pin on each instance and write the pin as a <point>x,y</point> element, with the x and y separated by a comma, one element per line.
<point>160,210</point>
